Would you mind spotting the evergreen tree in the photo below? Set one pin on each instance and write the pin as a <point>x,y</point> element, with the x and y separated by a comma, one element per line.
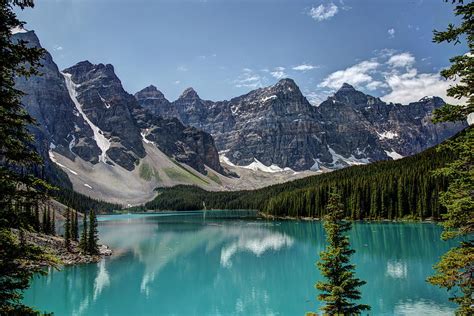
<point>340,289</point>
<point>93,238</point>
<point>83,242</point>
<point>37,219</point>
<point>44,222</point>
<point>455,270</point>
<point>20,188</point>
<point>67,229</point>
<point>53,223</point>
<point>75,227</point>
<point>48,221</point>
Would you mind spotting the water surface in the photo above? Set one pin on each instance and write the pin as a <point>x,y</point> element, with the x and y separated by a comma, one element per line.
<point>191,265</point>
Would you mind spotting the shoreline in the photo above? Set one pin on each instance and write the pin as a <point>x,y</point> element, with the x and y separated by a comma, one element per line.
<point>261,215</point>
<point>55,245</point>
<point>309,219</point>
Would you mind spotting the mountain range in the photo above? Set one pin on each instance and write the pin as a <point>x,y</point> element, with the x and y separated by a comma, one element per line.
<point>119,147</point>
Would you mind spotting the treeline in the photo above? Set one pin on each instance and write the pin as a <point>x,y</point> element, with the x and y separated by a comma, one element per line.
<point>381,190</point>
<point>83,203</point>
<point>89,236</point>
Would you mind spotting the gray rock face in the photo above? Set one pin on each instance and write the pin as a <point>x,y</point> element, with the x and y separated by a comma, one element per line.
<point>277,125</point>
<point>47,100</point>
<point>183,143</point>
<point>106,104</point>
<point>84,111</point>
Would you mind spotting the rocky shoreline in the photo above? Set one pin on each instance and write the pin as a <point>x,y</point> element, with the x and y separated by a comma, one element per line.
<point>55,246</point>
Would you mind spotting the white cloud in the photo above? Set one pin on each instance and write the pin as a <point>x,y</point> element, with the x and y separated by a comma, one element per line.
<point>410,87</point>
<point>391,74</point>
<point>278,72</point>
<point>323,12</point>
<point>57,47</point>
<point>374,85</point>
<point>177,82</point>
<point>391,33</point>
<point>304,67</point>
<point>401,60</point>
<point>357,75</point>
<point>182,68</point>
<point>249,79</point>
<point>316,98</point>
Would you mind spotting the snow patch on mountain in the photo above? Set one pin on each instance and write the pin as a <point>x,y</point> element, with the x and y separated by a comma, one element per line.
<point>107,104</point>
<point>102,142</point>
<point>145,133</point>
<point>265,99</point>
<point>53,159</point>
<point>393,154</point>
<point>387,135</point>
<point>339,160</point>
<point>18,29</point>
<point>257,165</point>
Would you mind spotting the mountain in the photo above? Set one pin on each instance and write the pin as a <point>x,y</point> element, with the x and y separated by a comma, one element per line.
<point>101,141</point>
<point>278,129</point>
<point>387,189</point>
<point>108,146</point>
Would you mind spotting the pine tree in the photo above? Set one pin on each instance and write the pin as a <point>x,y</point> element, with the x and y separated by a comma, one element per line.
<point>75,227</point>
<point>44,222</point>
<point>67,229</point>
<point>37,219</point>
<point>53,223</point>
<point>48,221</point>
<point>20,188</point>
<point>93,238</point>
<point>456,267</point>
<point>340,289</point>
<point>83,242</point>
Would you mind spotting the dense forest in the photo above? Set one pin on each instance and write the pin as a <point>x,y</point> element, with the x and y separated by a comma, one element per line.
<point>381,190</point>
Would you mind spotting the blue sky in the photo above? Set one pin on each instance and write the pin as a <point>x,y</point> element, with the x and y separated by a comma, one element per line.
<point>224,48</point>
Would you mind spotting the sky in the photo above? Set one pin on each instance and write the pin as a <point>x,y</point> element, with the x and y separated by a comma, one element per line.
<point>225,48</point>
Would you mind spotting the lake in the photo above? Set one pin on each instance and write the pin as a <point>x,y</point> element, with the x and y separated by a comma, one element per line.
<point>193,264</point>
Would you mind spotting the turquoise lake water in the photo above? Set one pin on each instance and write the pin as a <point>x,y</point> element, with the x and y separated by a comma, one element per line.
<point>191,265</point>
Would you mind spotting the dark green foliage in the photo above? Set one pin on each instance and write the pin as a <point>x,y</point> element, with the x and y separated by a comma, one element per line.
<point>386,189</point>
<point>67,229</point>
<point>83,203</point>
<point>92,239</point>
<point>83,242</point>
<point>53,223</point>
<point>19,188</point>
<point>75,227</point>
<point>15,274</point>
<point>340,289</point>
<point>455,270</point>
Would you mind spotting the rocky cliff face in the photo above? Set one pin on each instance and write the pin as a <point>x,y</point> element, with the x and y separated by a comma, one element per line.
<point>85,112</point>
<point>276,126</point>
<point>104,104</point>
<point>47,100</point>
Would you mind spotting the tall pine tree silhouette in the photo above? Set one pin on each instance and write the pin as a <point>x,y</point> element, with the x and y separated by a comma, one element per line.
<point>340,290</point>
<point>83,244</point>
<point>93,238</point>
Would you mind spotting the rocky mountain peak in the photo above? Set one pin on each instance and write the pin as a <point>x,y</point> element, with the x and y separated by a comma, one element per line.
<point>28,36</point>
<point>150,92</point>
<point>286,88</point>
<point>286,83</point>
<point>349,95</point>
<point>189,93</point>
<point>346,88</point>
